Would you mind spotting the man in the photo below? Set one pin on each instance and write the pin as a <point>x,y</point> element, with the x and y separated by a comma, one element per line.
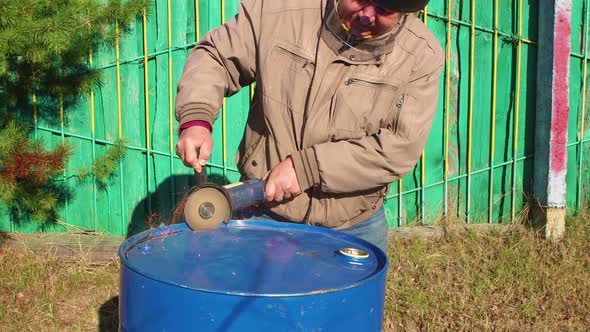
<point>346,92</point>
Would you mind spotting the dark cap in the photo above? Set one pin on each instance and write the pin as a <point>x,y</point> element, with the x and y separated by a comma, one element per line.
<point>404,6</point>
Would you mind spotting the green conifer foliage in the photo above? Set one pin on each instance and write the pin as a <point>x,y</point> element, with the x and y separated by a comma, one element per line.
<point>44,44</point>
<point>44,49</point>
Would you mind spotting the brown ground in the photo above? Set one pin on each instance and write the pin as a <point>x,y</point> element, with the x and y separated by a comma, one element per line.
<point>512,282</point>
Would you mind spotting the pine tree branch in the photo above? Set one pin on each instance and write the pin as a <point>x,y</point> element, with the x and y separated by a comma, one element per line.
<point>105,168</point>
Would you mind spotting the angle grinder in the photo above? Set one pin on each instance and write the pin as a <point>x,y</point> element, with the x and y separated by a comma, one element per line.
<point>209,205</point>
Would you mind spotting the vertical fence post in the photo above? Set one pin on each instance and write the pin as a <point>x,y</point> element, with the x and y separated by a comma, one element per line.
<point>551,126</point>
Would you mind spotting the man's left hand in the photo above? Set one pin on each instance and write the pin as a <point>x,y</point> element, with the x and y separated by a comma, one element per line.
<point>281,182</point>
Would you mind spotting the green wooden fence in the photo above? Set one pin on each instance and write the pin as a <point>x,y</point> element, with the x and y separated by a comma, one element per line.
<point>477,164</point>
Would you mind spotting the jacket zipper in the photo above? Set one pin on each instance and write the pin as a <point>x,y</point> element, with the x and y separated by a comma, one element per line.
<point>370,83</point>
<point>298,58</point>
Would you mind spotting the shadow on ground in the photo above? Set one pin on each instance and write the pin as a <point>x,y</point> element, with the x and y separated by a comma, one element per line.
<point>108,315</point>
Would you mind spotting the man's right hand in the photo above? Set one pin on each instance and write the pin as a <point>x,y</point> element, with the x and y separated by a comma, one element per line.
<point>192,140</point>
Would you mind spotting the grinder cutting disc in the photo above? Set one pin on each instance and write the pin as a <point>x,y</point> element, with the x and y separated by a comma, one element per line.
<point>207,207</point>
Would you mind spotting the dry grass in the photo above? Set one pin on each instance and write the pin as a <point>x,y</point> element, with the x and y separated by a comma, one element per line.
<point>515,282</point>
<point>43,293</point>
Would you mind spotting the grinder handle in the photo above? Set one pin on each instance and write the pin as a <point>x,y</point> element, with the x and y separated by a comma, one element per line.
<point>201,178</point>
<point>246,194</point>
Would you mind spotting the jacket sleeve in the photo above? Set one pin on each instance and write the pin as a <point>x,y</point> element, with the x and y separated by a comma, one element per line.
<point>219,65</point>
<point>377,160</point>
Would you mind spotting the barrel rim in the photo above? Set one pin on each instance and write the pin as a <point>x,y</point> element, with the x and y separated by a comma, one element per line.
<point>183,227</point>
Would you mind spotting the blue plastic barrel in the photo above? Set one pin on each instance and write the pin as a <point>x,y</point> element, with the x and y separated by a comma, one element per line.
<point>251,276</point>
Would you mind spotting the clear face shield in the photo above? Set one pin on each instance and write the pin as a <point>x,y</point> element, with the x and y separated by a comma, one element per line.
<point>340,39</point>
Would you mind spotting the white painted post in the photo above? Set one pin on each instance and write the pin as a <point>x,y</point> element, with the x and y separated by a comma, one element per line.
<point>553,67</point>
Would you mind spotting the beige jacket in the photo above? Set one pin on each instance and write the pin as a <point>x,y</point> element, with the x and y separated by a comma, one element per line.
<point>351,123</point>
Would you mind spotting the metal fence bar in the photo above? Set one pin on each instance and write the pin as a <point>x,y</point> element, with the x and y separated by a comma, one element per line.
<point>146,99</point>
<point>516,110</point>
<point>447,109</point>
<point>578,142</point>
<point>36,133</point>
<point>119,117</point>
<point>422,185</point>
<point>197,20</point>
<point>35,115</point>
<point>423,156</point>
<point>505,35</point>
<point>139,59</point>
<point>581,134</point>
<point>65,172</point>
<point>129,147</point>
<point>224,112</point>
<point>12,225</point>
<point>400,203</point>
<point>136,148</point>
<point>580,56</point>
<point>461,176</point>
<point>171,117</point>
<point>493,120</point>
<point>470,111</point>
<point>93,140</point>
<point>101,141</point>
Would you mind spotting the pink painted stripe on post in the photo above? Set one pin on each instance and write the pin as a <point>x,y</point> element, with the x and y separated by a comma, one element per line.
<point>559,121</point>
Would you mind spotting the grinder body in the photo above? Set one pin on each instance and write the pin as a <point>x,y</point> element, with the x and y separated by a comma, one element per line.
<point>210,205</point>
<point>245,194</point>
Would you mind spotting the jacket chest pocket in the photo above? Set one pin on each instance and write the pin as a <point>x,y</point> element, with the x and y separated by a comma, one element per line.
<point>363,104</point>
<point>289,74</point>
